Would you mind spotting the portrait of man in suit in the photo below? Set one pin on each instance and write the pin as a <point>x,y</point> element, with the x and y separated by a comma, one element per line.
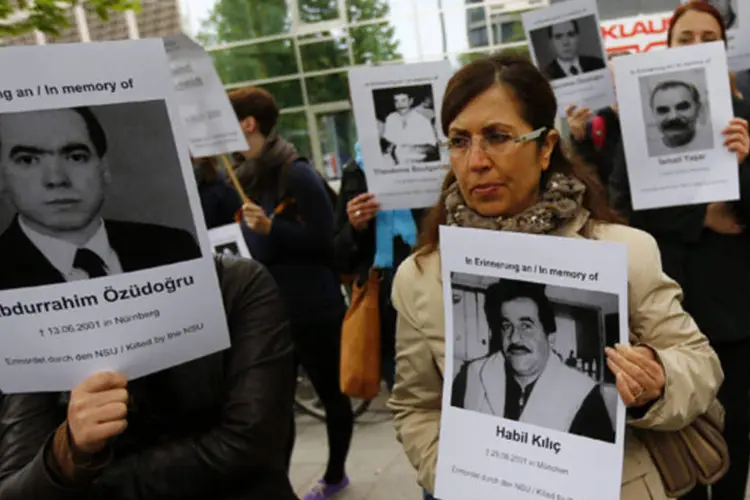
<point>54,170</point>
<point>522,378</point>
<point>564,43</point>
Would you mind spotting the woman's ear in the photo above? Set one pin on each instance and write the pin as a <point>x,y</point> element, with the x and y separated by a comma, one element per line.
<point>545,152</point>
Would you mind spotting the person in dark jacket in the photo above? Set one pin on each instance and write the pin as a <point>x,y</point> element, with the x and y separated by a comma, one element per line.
<point>597,137</point>
<point>289,228</point>
<point>211,428</point>
<point>219,200</point>
<point>367,238</point>
<point>706,249</point>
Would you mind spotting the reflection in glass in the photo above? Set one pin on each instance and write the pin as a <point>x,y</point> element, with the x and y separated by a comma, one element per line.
<point>338,135</point>
<point>255,62</point>
<point>293,128</point>
<point>316,11</point>
<point>237,20</point>
<point>288,94</point>
<point>328,54</point>
<point>375,43</point>
<point>328,88</point>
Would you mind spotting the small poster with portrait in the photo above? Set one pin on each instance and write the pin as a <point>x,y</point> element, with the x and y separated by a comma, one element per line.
<point>567,46</point>
<point>397,111</point>
<point>228,240</point>
<point>530,407</point>
<point>102,236</point>
<point>736,17</point>
<point>679,104</point>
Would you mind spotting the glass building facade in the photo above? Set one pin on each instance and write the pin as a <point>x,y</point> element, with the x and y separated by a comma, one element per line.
<point>301,50</point>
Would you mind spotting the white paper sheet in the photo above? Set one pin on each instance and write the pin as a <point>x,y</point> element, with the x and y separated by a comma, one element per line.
<point>674,105</point>
<point>555,304</point>
<point>160,303</point>
<point>206,112</point>
<point>567,46</point>
<point>228,240</point>
<point>397,111</point>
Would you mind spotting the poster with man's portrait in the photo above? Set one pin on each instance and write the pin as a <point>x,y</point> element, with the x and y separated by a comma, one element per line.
<point>228,241</point>
<point>528,392</point>
<point>102,238</point>
<point>567,46</point>
<point>396,109</point>
<point>673,137</point>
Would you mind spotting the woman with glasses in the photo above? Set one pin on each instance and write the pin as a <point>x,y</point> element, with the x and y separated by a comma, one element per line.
<point>508,173</point>
<point>705,247</point>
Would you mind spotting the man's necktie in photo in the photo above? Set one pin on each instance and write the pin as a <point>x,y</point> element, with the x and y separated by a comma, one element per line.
<point>90,262</point>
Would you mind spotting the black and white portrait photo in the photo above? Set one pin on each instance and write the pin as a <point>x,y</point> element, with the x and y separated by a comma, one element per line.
<point>89,192</point>
<point>675,112</point>
<point>229,249</point>
<point>569,48</point>
<point>534,353</point>
<point>406,124</point>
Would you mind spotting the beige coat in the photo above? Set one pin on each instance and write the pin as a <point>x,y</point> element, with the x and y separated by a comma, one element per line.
<point>693,373</point>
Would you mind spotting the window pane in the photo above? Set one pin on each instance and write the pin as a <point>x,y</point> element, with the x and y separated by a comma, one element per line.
<point>328,54</point>
<point>255,62</point>
<point>375,43</point>
<point>338,135</point>
<point>508,32</point>
<point>287,94</point>
<point>237,20</point>
<point>316,11</point>
<point>327,88</point>
<point>372,9</point>
<point>293,128</point>
<point>476,27</point>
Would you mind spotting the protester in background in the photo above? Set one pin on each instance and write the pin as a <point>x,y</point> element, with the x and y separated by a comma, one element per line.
<point>705,247</point>
<point>289,228</point>
<point>212,428</point>
<point>367,238</point>
<point>596,137</point>
<point>219,200</point>
<point>500,180</point>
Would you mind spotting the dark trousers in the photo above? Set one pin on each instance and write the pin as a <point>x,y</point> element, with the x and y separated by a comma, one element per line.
<point>735,396</point>
<point>318,350</point>
<point>387,329</point>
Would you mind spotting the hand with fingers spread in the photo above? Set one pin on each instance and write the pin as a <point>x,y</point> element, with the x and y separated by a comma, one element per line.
<point>97,412</point>
<point>577,120</point>
<point>640,377</point>
<point>737,138</point>
<point>361,210</point>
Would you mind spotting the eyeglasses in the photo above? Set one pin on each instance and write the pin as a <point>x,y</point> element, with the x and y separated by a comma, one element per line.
<point>492,143</point>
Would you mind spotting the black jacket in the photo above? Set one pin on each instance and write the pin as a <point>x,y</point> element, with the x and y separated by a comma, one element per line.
<point>602,157</point>
<point>713,269</point>
<point>355,250</point>
<point>138,246</point>
<point>215,428</point>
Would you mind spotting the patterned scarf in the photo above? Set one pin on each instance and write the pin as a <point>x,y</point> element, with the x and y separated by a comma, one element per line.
<point>388,225</point>
<point>560,202</point>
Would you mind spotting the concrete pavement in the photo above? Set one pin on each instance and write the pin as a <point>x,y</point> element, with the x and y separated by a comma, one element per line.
<point>377,466</point>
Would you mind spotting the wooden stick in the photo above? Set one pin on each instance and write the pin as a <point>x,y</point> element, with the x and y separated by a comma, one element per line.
<point>233,176</point>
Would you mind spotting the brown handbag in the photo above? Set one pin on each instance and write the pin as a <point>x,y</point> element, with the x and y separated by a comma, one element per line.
<point>360,341</point>
<point>695,454</point>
